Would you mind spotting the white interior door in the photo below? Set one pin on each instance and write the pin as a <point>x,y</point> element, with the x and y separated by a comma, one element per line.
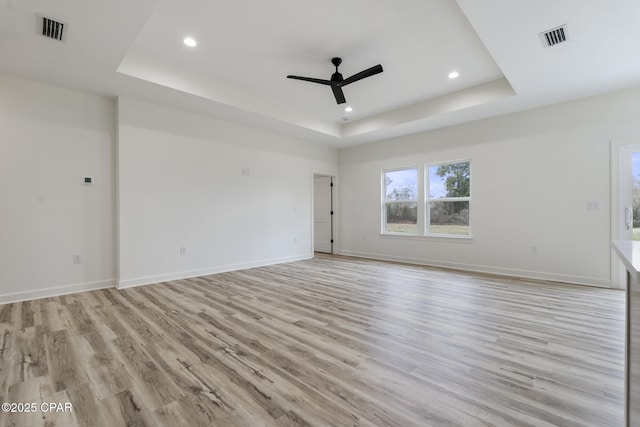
<point>322,218</point>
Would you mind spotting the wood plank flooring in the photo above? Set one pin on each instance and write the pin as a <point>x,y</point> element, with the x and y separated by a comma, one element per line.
<point>332,341</point>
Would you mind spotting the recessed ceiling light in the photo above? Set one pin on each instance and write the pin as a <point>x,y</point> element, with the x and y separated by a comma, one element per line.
<point>454,75</point>
<point>348,109</point>
<point>189,41</point>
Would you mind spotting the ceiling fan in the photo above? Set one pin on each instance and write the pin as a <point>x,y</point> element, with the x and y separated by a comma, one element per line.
<point>337,82</point>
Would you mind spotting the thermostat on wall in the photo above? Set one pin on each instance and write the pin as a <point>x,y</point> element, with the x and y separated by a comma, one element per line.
<point>87,180</point>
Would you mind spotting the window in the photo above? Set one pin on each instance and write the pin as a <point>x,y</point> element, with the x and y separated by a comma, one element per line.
<point>400,212</point>
<point>440,208</point>
<point>449,199</point>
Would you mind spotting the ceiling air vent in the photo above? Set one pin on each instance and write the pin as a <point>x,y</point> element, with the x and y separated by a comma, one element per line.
<point>51,28</point>
<point>554,36</point>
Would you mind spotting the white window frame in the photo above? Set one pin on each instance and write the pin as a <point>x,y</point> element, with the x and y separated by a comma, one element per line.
<point>419,204</point>
<point>428,199</point>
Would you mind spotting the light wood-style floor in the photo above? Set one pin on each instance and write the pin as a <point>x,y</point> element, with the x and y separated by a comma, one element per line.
<point>331,341</point>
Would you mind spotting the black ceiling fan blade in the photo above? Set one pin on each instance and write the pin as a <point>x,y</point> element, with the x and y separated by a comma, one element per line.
<point>377,69</point>
<point>337,82</point>
<point>337,92</point>
<point>311,79</point>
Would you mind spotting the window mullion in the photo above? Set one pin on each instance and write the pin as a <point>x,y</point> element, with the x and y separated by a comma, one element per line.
<point>449,199</point>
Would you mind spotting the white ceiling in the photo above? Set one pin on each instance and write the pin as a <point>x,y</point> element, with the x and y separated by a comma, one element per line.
<point>246,48</point>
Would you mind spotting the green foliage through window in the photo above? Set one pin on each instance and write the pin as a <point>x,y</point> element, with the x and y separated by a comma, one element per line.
<point>401,201</point>
<point>443,210</point>
<point>457,179</point>
<point>449,198</point>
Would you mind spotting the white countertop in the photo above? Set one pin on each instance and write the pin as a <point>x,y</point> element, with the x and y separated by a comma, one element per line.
<point>629,253</point>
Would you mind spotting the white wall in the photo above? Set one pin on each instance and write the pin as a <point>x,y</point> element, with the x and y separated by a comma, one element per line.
<point>50,138</point>
<point>181,184</point>
<point>532,175</point>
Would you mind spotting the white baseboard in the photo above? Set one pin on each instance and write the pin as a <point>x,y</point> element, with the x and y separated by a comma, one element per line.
<point>502,271</point>
<point>140,281</point>
<point>56,291</point>
<point>90,286</point>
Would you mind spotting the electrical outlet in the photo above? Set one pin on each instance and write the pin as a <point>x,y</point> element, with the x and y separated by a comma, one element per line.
<point>183,250</point>
<point>295,240</point>
<point>77,259</point>
<point>535,250</point>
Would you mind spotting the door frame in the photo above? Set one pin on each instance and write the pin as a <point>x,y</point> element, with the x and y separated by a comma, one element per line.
<point>335,248</point>
<point>618,148</point>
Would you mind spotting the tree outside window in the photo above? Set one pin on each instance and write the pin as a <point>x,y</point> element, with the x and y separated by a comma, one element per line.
<point>449,199</point>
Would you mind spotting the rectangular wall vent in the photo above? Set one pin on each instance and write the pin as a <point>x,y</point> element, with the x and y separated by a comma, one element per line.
<point>554,36</point>
<point>51,28</point>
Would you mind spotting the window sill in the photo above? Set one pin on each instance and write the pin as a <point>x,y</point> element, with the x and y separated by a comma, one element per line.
<point>432,237</point>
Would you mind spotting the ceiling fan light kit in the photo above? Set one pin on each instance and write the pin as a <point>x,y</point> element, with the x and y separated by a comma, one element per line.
<point>337,82</point>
